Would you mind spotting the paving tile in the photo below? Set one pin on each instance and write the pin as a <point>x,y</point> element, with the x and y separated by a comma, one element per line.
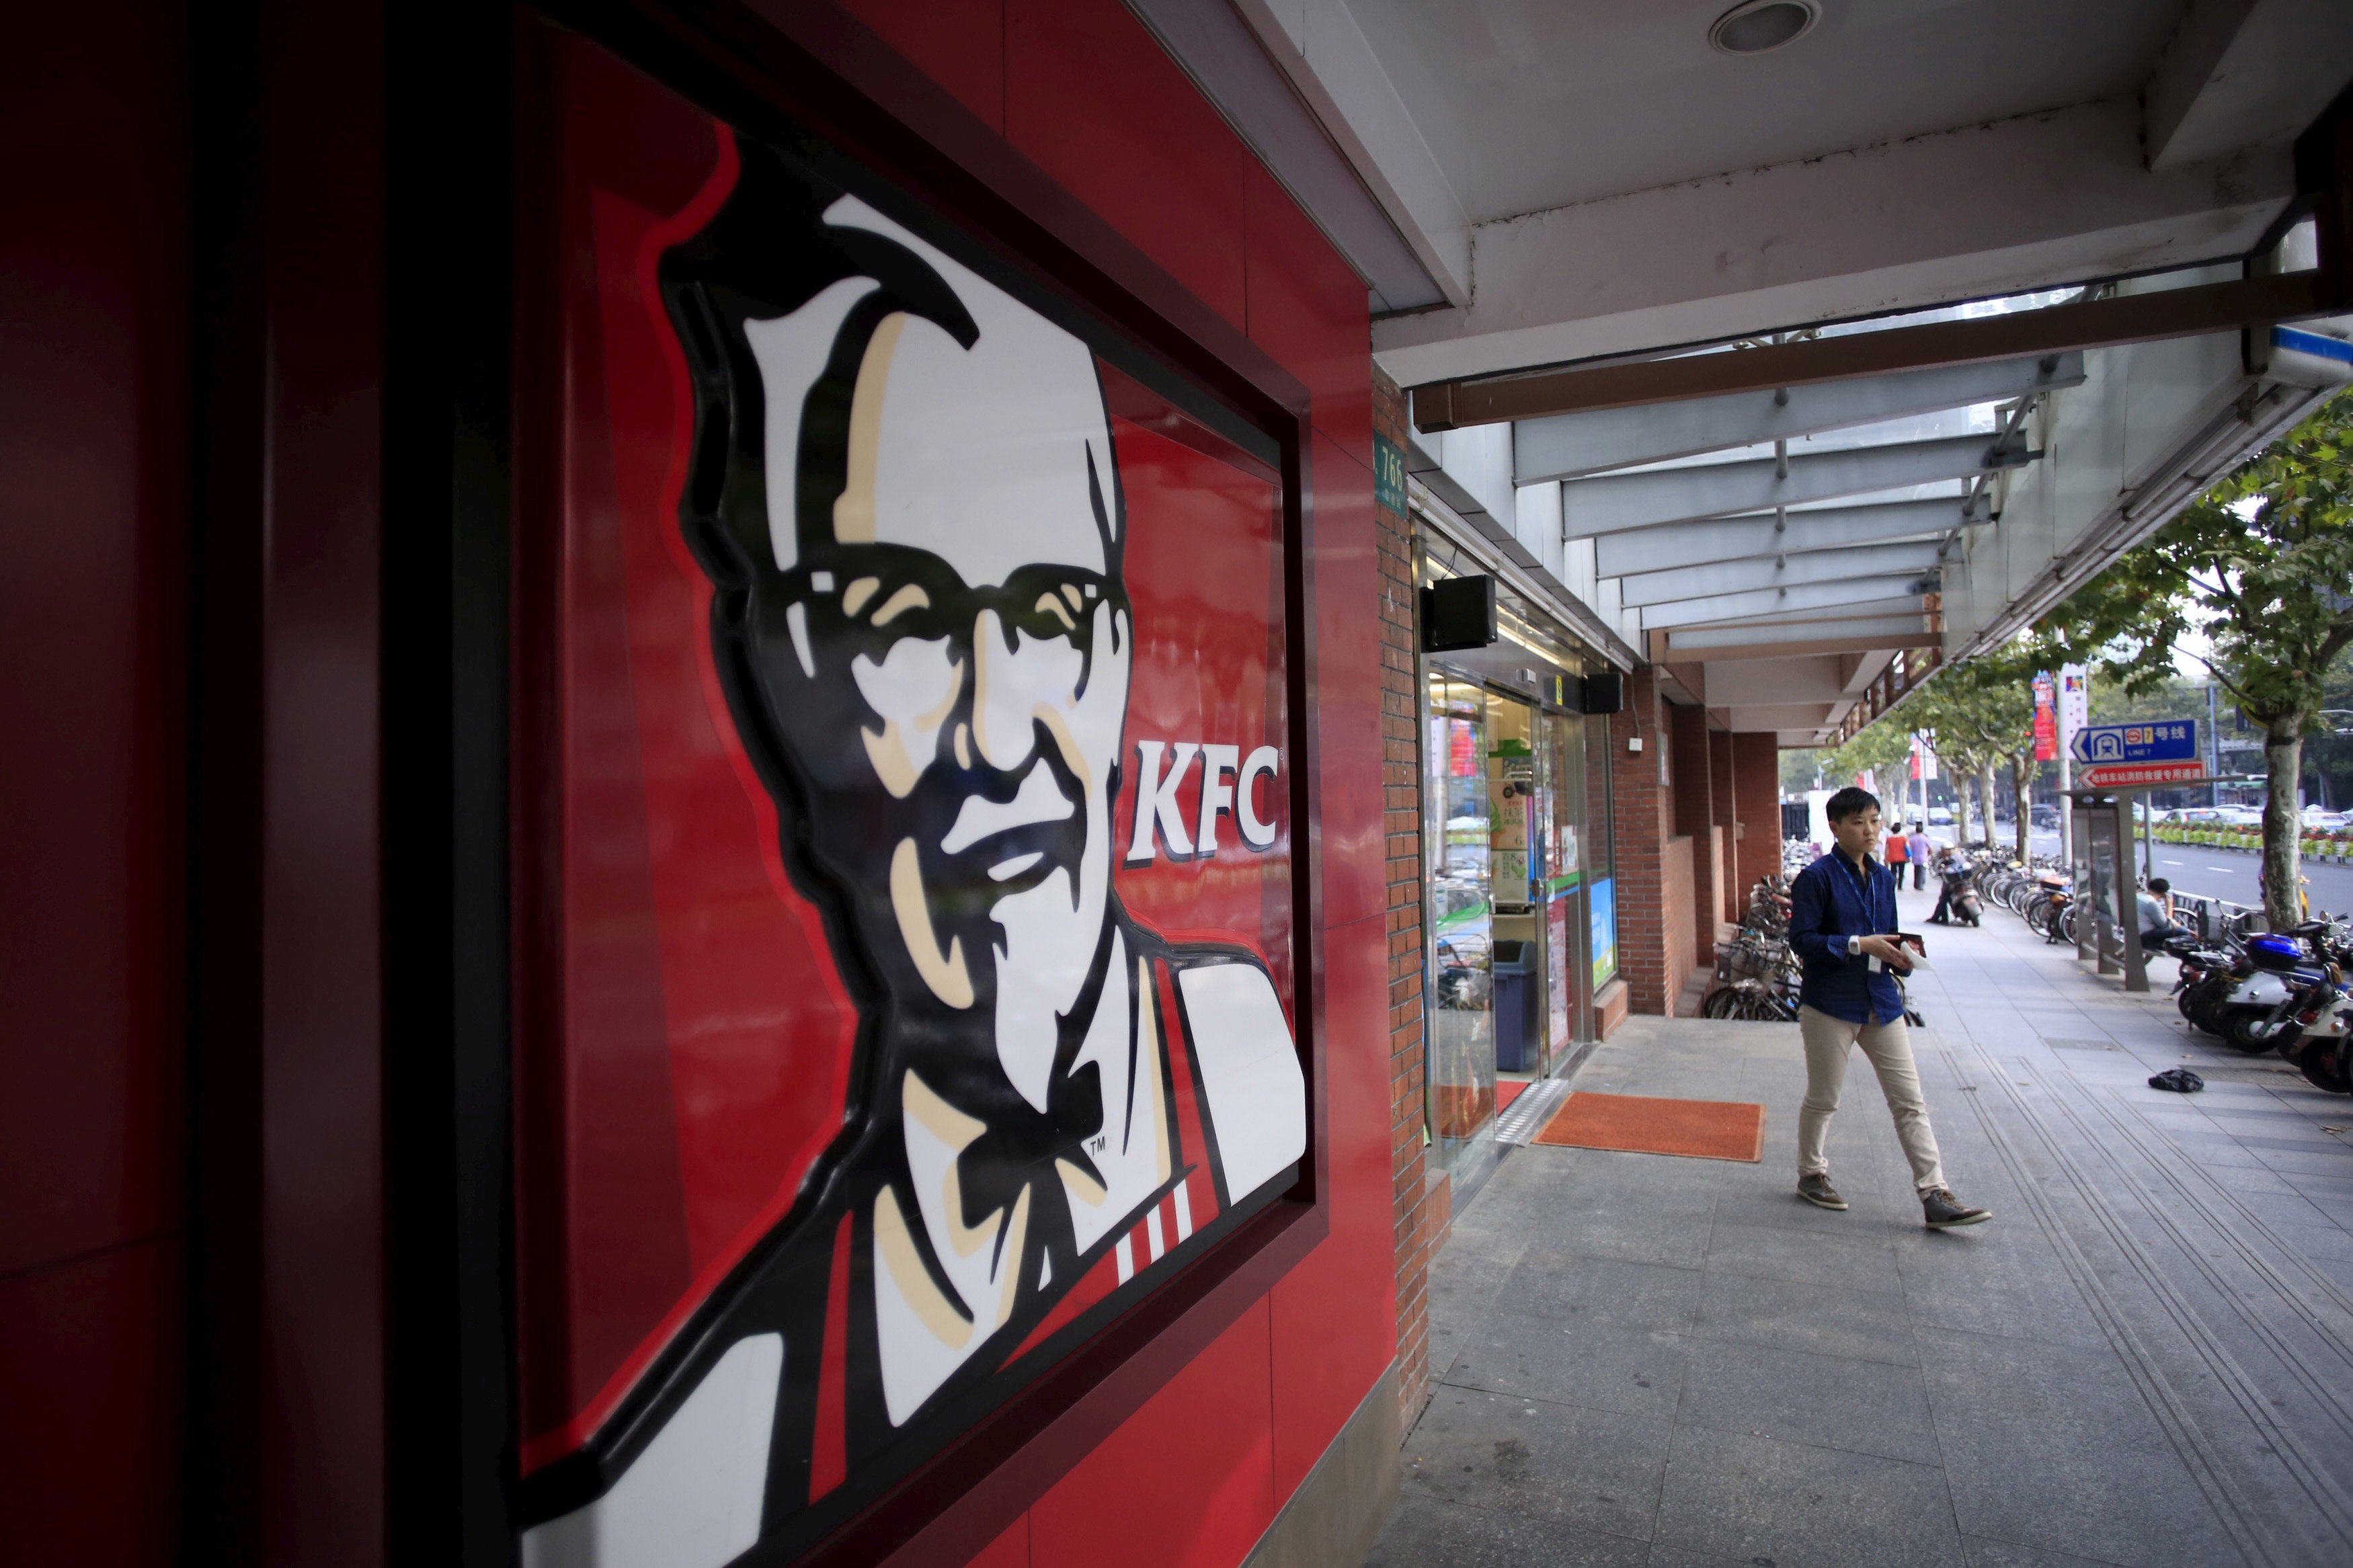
<point>1638,1372</point>
<point>1676,1557</point>
<point>2278,1209</point>
<point>1675,1240</point>
<point>2316,1242</point>
<point>2325,1190</point>
<point>1986,1282</point>
<point>1601,1290</point>
<point>1750,1499</point>
<point>1597,1469</point>
<point>1425,1532</point>
<point>1984,1553</point>
<point>2055,1445</point>
<point>1864,1325</point>
<point>1833,1402</point>
<point>2307,1161</point>
<point>1766,1252</point>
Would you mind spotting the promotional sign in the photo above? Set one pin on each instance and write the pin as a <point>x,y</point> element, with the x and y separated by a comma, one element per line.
<point>2046,721</point>
<point>1603,929</point>
<point>2162,741</point>
<point>2075,700</point>
<point>907,985</point>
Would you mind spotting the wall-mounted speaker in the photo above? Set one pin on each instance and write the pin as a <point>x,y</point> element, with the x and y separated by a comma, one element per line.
<point>1605,692</point>
<point>1458,613</point>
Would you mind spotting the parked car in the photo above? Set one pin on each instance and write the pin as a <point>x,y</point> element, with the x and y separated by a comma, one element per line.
<point>1940,816</point>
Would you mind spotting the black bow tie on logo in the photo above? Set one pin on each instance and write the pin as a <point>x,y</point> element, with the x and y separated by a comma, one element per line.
<point>1022,1143</point>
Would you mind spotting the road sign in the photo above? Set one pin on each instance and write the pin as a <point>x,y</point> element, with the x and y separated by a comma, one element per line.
<point>2158,740</point>
<point>2128,775</point>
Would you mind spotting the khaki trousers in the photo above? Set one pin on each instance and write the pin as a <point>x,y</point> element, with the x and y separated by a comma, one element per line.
<point>1889,1047</point>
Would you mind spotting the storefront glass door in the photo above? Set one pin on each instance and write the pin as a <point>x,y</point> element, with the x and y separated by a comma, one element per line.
<point>1456,831</point>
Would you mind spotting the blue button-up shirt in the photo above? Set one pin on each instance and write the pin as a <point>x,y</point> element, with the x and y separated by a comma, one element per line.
<point>1829,902</point>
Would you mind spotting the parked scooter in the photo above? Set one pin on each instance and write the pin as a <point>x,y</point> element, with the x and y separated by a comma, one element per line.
<point>1960,903</point>
<point>2322,1051</point>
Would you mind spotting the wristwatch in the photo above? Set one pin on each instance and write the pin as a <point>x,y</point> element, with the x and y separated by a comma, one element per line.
<point>1853,946</point>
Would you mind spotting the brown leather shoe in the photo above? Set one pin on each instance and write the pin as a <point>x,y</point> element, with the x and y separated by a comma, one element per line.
<point>1818,1190</point>
<point>1943,1211</point>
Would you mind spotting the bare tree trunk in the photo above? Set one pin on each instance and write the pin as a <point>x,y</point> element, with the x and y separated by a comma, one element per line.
<point>1961,806</point>
<point>2283,860</point>
<point>1985,783</point>
<point>2019,768</point>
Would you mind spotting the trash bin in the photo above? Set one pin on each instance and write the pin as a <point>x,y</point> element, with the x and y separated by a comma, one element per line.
<point>1514,970</point>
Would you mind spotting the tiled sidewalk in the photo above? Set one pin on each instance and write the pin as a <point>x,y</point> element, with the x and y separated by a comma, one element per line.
<point>2146,1358</point>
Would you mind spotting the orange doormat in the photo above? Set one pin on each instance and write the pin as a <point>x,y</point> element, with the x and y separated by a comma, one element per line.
<point>1700,1129</point>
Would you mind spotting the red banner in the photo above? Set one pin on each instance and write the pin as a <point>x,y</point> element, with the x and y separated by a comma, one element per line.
<point>2046,720</point>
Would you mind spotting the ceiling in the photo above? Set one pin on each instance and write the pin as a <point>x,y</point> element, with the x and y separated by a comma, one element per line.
<point>1528,105</point>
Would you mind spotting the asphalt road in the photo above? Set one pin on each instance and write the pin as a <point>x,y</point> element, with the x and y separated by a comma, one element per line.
<point>2227,874</point>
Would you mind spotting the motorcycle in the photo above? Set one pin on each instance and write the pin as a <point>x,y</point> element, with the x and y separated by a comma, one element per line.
<point>2276,978</point>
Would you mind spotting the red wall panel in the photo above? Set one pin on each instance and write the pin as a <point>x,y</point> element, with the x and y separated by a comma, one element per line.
<point>1011,1550</point>
<point>1188,1482</point>
<point>1100,106</point>
<point>1308,309</point>
<point>1334,1316</point>
<point>89,1410</point>
<point>94,378</point>
<point>93,431</point>
<point>1347,699</point>
<point>959,43</point>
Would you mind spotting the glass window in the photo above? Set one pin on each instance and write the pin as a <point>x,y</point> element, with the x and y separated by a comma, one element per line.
<point>1601,899</point>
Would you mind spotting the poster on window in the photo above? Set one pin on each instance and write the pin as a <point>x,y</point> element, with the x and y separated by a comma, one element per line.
<point>907,893</point>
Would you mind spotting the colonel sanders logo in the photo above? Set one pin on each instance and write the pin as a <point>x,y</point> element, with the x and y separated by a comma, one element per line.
<point>904,492</point>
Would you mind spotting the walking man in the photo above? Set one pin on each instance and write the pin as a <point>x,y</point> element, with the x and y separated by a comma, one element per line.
<point>1921,851</point>
<point>1842,925</point>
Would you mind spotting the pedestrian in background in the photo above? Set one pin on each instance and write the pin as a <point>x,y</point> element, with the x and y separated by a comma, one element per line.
<point>1899,848</point>
<point>1842,926</point>
<point>1921,852</point>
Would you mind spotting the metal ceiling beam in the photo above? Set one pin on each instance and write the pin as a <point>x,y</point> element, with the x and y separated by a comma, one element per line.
<point>1762,601</point>
<point>1568,446</point>
<point>1877,631</point>
<point>1774,571</point>
<point>1738,538</point>
<point>1832,615</point>
<point>1614,503</point>
<point>2056,328</point>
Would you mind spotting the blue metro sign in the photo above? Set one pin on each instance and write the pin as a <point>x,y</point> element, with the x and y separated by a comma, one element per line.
<point>2158,740</point>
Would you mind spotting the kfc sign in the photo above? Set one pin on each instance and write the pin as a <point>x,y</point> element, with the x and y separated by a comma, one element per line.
<point>1228,784</point>
<point>883,1072</point>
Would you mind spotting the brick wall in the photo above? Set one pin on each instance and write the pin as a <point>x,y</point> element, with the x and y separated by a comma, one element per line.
<point>1421,1211</point>
<point>1756,802</point>
<point>1695,816</point>
<point>1653,857</point>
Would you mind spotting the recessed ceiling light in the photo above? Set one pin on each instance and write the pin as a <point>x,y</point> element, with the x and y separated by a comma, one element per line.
<point>1756,26</point>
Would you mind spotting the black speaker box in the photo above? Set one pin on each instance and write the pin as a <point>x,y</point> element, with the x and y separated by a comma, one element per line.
<point>1458,613</point>
<point>1605,692</point>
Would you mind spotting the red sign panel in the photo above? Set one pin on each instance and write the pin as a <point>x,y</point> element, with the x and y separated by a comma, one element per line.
<point>907,942</point>
<point>2125,775</point>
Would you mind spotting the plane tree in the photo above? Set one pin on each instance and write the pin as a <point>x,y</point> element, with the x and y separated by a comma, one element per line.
<point>2254,581</point>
